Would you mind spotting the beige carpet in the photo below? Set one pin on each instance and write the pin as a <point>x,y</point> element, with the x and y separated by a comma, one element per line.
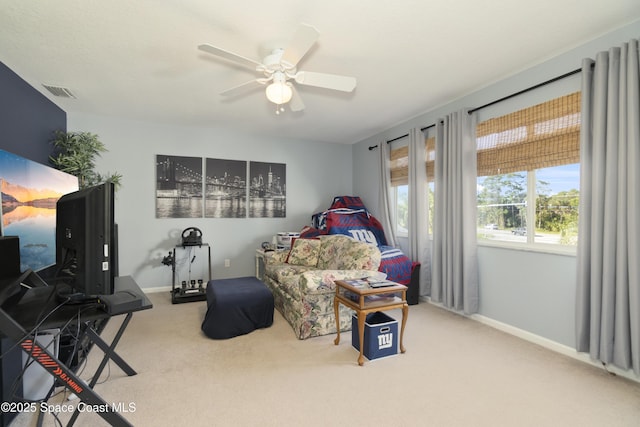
<point>456,372</point>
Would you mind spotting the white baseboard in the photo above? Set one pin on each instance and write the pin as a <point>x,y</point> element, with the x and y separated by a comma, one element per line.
<point>157,289</point>
<point>546,343</point>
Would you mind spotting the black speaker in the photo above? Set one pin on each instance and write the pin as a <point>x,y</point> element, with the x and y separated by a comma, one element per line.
<point>11,361</point>
<point>9,256</point>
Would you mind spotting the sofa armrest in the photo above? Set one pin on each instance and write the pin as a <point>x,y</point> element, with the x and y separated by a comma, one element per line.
<point>322,281</point>
<point>275,257</point>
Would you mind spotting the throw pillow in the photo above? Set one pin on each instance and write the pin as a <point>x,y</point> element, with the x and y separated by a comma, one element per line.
<point>304,252</point>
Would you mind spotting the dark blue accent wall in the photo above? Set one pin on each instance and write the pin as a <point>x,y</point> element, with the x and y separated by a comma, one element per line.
<point>27,118</point>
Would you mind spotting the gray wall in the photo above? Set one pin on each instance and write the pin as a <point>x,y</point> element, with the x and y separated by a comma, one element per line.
<point>316,172</point>
<point>527,290</point>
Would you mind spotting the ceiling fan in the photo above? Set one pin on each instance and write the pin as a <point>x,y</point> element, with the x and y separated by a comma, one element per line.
<point>280,72</point>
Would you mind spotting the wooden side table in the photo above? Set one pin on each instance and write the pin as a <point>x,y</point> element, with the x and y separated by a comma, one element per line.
<point>363,298</point>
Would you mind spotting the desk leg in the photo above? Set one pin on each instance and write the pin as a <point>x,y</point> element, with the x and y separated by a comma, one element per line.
<point>109,353</point>
<point>361,319</point>
<point>71,382</point>
<point>405,313</point>
<point>336,311</point>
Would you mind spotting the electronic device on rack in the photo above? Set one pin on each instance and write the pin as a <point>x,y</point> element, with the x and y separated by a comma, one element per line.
<point>188,285</point>
<point>191,236</point>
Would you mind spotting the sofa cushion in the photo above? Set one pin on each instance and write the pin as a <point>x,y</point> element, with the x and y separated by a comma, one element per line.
<point>330,249</point>
<point>287,276</point>
<point>314,282</point>
<point>304,252</point>
<point>280,272</point>
<point>340,252</point>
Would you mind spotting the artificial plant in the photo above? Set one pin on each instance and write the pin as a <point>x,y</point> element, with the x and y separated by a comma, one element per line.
<point>75,154</point>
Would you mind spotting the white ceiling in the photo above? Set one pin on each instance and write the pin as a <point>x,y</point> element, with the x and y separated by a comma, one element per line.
<point>139,59</point>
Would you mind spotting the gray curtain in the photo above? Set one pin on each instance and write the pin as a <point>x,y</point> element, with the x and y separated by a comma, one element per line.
<point>608,288</point>
<point>385,206</point>
<point>454,280</point>
<point>419,249</point>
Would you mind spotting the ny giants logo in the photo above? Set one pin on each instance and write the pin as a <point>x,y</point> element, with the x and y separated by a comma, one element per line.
<point>385,341</point>
<point>363,236</point>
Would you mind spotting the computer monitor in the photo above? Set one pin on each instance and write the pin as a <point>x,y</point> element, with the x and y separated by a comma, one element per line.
<point>85,241</point>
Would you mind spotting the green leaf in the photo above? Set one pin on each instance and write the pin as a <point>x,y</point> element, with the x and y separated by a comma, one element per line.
<point>75,153</point>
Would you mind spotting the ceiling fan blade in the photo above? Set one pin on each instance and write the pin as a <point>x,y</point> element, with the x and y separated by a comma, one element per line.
<point>303,39</point>
<point>296,103</point>
<point>242,88</point>
<point>327,81</point>
<point>238,59</point>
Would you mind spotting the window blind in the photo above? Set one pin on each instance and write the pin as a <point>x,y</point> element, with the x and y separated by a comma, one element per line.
<point>399,164</point>
<point>544,135</point>
<point>541,136</point>
<point>399,159</point>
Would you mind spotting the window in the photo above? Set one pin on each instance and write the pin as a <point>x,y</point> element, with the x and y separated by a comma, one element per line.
<point>528,174</point>
<point>399,163</point>
<point>402,210</point>
<point>399,159</point>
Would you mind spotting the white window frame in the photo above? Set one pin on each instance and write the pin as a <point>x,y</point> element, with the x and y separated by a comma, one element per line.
<point>530,245</point>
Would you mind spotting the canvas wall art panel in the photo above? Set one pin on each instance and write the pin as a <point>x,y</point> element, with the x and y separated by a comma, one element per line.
<point>179,182</point>
<point>267,190</point>
<point>225,188</point>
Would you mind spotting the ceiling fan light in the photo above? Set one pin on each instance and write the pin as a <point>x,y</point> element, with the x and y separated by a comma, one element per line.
<point>279,93</point>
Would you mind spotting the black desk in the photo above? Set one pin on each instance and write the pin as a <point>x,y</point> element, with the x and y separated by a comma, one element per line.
<point>23,311</point>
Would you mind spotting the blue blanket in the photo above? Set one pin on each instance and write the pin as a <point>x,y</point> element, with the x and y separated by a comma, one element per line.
<point>236,307</point>
<point>348,215</point>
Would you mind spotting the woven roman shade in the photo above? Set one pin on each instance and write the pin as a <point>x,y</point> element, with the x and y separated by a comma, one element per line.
<point>399,159</point>
<point>431,158</point>
<point>541,136</point>
<point>399,163</point>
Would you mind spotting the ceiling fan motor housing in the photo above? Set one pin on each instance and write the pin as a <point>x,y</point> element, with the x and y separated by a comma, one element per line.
<point>273,63</point>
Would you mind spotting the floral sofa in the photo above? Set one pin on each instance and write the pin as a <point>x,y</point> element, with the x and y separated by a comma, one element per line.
<point>348,215</point>
<point>302,280</point>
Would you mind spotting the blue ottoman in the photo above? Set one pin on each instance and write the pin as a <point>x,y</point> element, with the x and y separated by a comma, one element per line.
<point>237,307</point>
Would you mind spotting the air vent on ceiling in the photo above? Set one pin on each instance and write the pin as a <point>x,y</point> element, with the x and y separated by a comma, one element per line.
<point>60,91</point>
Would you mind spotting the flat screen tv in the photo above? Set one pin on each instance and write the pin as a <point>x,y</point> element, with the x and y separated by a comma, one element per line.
<point>86,247</point>
<point>30,191</point>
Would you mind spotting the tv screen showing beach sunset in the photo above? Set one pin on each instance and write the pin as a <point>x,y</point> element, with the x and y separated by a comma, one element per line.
<point>30,191</point>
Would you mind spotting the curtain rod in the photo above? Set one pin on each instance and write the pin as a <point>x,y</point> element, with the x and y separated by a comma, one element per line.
<point>555,79</point>
<point>402,136</point>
